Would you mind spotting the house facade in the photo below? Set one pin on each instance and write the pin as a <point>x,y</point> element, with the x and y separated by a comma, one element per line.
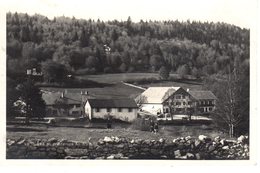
<point>122,109</point>
<point>176,100</point>
<point>63,104</point>
<point>153,99</point>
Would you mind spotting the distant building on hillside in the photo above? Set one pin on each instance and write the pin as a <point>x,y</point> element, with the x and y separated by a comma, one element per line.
<point>176,100</point>
<point>123,109</point>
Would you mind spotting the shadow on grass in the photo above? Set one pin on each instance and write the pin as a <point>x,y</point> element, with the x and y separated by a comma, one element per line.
<point>23,129</point>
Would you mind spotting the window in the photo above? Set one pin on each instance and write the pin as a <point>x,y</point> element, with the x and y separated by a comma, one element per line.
<point>178,96</point>
<point>130,110</point>
<point>210,109</point>
<point>210,102</point>
<point>119,109</point>
<point>189,103</point>
<point>108,109</point>
<point>78,105</point>
<point>166,110</point>
<point>97,110</point>
<point>184,103</point>
<point>178,103</point>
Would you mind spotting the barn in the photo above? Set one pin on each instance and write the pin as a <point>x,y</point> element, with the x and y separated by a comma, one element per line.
<point>122,109</point>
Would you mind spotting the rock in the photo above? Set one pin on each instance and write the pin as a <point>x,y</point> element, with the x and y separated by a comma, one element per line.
<point>86,157</point>
<point>197,143</point>
<point>52,140</point>
<point>198,156</point>
<point>187,138</point>
<point>223,142</point>
<point>116,139</point>
<point>211,148</point>
<point>70,157</point>
<point>225,147</point>
<point>177,153</point>
<point>190,156</point>
<point>161,140</point>
<point>202,137</point>
<point>10,142</point>
<point>118,156</point>
<point>154,152</point>
<point>120,146</point>
<point>132,141</point>
<point>100,142</point>
<point>38,155</point>
<point>217,139</point>
<point>163,157</point>
<point>76,152</point>
<point>107,139</point>
<point>243,139</point>
<point>111,157</point>
<point>20,142</point>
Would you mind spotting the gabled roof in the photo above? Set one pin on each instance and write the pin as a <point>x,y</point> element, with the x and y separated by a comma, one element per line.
<point>50,98</point>
<point>112,103</point>
<point>157,94</point>
<point>202,95</point>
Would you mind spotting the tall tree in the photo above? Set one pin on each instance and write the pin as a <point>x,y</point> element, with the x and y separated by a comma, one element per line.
<point>31,96</point>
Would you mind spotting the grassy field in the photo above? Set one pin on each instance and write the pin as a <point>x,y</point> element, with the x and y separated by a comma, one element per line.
<point>119,77</point>
<point>93,134</point>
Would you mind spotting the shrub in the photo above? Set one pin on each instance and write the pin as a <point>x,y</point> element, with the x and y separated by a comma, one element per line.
<point>141,124</point>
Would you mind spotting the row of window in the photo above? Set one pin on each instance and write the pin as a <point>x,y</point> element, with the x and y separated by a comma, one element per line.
<point>181,96</point>
<point>182,103</point>
<point>118,109</point>
<point>209,102</point>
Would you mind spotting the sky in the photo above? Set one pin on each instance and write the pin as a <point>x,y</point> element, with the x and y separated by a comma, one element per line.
<point>237,12</point>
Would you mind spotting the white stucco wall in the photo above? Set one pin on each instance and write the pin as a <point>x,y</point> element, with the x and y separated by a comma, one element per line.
<point>152,108</point>
<point>124,115</point>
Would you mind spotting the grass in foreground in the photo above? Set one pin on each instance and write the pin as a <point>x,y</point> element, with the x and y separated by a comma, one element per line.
<point>168,132</point>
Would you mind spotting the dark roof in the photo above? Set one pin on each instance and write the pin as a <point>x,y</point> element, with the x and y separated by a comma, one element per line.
<point>112,103</point>
<point>69,98</point>
<point>202,95</point>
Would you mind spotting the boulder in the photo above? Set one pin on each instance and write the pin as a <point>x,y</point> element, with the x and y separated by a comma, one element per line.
<point>107,139</point>
<point>111,157</point>
<point>177,153</point>
<point>202,137</point>
<point>52,140</point>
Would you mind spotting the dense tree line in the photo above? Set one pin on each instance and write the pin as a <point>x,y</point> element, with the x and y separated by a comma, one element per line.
<point>88,46</point>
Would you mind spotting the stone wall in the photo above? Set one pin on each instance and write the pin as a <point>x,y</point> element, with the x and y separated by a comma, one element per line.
<point>123,148</point>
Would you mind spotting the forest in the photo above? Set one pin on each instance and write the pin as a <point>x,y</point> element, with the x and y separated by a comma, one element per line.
<point>82,47</point>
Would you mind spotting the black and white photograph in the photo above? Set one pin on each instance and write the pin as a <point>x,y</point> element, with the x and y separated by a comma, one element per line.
<point>128,80</point>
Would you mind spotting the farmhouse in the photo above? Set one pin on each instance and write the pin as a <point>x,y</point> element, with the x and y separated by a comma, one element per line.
<point>153,99</point>
<point>176,100</point>
<point>123,109</point>
<point>63,104</point>
<point>205,101</point>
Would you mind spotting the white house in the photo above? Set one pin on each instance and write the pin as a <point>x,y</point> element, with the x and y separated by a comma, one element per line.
<point>123,109</point>
<point>152,99</point>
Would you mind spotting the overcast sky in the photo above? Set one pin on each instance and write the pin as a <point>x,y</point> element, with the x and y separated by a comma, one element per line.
<point>237,12</point>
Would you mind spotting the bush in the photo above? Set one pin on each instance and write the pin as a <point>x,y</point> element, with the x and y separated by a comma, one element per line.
<point>141,124</point>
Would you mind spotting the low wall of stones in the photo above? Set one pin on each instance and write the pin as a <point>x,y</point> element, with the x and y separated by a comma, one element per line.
<point>186,148</point>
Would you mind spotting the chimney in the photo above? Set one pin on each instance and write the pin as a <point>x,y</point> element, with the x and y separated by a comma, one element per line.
<point>188,89</point>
